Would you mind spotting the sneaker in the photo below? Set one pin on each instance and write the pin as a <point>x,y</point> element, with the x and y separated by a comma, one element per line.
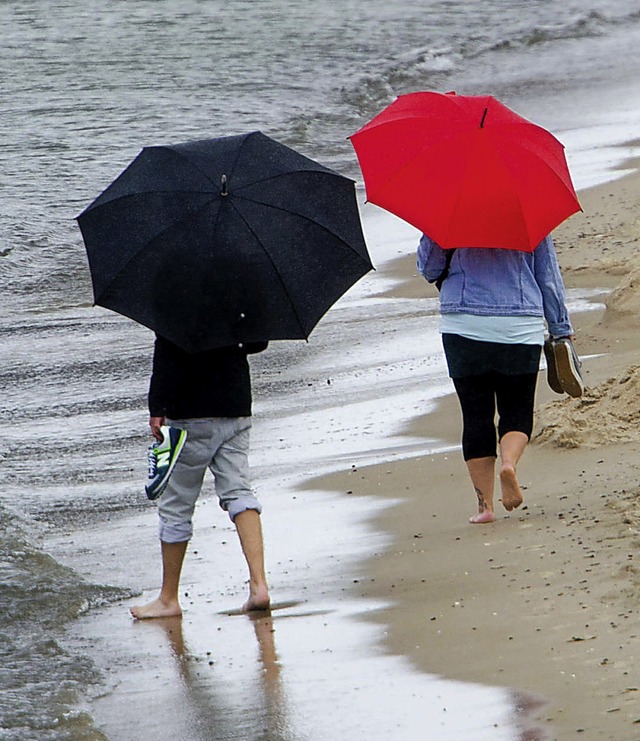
<point>162,457</point>
<point>568,367</point>
<point>552,369</point>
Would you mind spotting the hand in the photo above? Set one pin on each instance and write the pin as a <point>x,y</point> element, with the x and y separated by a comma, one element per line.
<point>156,423</point>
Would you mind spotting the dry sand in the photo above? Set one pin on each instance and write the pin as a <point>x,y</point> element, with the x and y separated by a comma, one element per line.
<point>545,600</point>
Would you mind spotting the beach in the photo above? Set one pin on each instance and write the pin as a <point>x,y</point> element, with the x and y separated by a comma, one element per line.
<point>545,600</point>
<point>355,442</point>
<point>393,617</point>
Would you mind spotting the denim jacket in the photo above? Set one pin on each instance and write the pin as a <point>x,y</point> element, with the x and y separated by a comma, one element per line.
<point>499,282</point>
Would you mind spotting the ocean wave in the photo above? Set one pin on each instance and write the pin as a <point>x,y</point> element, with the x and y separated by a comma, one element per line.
<point>426,66</point>
<point>34,587</point>
<point>445,64</point>
<point>590,25</point>
<point>40,681</point>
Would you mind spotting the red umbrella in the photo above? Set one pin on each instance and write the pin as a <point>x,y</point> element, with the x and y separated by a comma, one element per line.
<point>466,170</point>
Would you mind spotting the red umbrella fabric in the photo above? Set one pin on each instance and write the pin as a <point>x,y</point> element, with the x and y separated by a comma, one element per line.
<point>466,170</point>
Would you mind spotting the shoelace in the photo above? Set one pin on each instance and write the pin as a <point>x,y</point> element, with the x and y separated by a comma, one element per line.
<point>152,460</point>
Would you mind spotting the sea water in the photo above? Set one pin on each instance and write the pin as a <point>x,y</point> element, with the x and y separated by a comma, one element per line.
<point>85,85</point>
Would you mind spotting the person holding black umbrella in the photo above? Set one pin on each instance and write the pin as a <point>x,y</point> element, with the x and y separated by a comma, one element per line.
<point>219,246</point>
<point>208,395</point>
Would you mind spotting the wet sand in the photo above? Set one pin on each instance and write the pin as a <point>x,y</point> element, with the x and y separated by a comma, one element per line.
<point>311,670</point>
<point>545,600</point>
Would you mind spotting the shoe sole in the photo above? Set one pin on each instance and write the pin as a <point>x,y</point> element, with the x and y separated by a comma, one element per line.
<point>155,493</point>
<point>567,369</point>
<point>552,370</point>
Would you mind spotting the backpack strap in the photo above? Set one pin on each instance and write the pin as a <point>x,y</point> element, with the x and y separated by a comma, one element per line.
<point>441,278</point>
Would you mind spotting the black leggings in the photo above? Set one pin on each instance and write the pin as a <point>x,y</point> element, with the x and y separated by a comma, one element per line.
<point>480,395</point>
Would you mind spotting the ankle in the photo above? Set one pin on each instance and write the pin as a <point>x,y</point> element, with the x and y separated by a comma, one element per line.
<point>258,586</point>
<point>168,598</point>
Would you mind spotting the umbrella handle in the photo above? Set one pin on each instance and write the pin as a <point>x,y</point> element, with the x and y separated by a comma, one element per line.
<point>224,186</point>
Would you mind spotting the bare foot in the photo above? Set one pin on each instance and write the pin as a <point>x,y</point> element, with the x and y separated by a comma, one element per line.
<point>258,599</point>
<point>156,609</point>
<point>483,517</point>
<point>511,493</point>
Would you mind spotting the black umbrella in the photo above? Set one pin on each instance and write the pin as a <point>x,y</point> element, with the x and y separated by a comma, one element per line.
<point>227,240</point>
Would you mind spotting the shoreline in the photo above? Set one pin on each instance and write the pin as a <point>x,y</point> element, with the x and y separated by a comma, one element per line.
<point>419,611</point>
<point>544,601</point>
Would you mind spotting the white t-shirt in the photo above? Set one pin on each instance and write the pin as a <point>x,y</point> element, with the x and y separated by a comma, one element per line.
<point>511,330</point>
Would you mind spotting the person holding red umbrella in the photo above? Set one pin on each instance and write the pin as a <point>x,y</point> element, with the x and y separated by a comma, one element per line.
<point>494,304</point>
<point>488,187</point>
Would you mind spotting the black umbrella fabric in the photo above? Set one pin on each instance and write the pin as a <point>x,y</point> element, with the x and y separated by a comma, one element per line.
<point>214,242</point>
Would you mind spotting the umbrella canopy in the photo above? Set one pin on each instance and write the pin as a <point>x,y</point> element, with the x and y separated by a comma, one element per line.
<point>466,170</point>
<point>214,242</point>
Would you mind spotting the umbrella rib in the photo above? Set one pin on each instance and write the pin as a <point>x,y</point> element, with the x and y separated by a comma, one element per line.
<point>551,171</point>
<point>207,175</point>
<point>556,174</point>
<point>371,198</point>
<point>279,175</point>
<point>111,201</point>
<point>277,272</point>
<point>196,165</point>
<point>137,252</point>
<point>457,201</point>
<point>300,216</point>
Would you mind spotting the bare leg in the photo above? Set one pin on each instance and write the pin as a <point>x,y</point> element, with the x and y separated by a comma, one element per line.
<point>512,446</point>
<point>167,603</point>
<point>249,530</point>
<point>482,472</point>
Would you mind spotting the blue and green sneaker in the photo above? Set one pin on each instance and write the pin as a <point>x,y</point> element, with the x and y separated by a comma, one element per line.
<point>162,458</point>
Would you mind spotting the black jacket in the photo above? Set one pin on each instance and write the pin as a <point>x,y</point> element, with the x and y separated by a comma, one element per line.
<point>213,383</point>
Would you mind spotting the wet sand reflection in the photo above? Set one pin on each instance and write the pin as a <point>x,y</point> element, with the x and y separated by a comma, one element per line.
<point>201,698</point>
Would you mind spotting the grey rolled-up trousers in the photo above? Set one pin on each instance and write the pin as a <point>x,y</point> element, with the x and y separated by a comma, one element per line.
<point>220,444</point>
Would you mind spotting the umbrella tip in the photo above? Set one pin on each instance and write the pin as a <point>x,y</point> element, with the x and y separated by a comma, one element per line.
<point>224,186</point>
<point>484,115</point>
